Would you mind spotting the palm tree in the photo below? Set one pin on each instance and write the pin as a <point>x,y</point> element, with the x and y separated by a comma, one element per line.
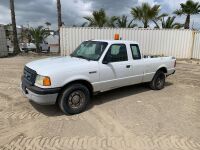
<point>189,8</point>
<point>84,24</point>
<point>169,23</point>
<point>14,28</point>
<point>122,22</point>
<point>98,19</point>
<point>38,35</point>
<point>59,22</point>
<point>24,34</point>
<point>146,13</point>
<point>48,24</point>
<point>111,22</point>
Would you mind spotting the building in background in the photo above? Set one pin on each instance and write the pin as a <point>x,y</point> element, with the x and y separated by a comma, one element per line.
<point>9,31</point>
<point>9,36</point>
<point>3,42</point>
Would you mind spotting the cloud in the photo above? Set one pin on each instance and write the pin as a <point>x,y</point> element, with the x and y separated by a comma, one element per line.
<point>151,2</point>
<point>37,12</point>
<point>113,7</point>
<point>4,15</point>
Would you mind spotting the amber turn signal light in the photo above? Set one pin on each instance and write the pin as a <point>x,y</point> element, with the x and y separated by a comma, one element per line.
<point>46,81</point>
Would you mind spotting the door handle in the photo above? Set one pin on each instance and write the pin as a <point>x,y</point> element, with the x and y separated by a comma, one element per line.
<point>128,66</point>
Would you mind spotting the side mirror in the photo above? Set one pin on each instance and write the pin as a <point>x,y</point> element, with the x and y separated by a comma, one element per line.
<point>105,62</point>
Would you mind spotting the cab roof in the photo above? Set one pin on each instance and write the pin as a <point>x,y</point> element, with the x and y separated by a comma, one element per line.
<point>117,41</point>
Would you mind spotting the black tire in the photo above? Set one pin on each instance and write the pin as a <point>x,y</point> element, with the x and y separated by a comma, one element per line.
<point>74,99</point>
<point>158,81</point>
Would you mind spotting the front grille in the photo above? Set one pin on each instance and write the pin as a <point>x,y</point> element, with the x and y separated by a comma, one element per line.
<point>29,75</point>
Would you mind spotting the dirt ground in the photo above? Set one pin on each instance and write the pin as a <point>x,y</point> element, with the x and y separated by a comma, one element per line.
<point>134,117</point>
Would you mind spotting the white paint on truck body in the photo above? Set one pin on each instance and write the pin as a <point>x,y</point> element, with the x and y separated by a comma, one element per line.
<point>103,77</point>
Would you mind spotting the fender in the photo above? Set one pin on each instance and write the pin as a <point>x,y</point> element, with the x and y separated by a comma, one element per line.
<point>162,66</point>
<point>75,78</point>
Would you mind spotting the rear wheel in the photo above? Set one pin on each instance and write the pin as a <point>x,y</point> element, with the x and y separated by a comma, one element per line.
<point>74,99</point>
<point>158,81</point>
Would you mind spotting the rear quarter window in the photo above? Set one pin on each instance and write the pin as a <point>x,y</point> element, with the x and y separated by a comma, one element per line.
<point>135,51</point>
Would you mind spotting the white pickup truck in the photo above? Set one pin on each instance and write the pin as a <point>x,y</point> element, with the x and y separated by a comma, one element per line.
<point>95,66</point>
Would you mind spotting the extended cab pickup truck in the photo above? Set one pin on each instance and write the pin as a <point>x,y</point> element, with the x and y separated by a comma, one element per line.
<point>95,66</point>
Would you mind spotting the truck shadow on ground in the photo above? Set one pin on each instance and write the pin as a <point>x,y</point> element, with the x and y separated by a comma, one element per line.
<point>99,99</point>
<point>47,110</point>
<point>119,93</point>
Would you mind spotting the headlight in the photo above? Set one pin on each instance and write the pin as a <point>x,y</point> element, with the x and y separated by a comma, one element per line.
<point>43,80</point>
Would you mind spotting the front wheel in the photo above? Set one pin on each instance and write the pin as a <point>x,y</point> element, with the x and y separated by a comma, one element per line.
<point>158,81</point>
<point>74,99</point>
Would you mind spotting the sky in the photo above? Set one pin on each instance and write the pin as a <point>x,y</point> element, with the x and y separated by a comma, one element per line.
<point>37,12</point>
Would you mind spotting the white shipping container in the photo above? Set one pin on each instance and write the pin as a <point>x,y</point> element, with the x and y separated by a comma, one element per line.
<point>196,48</point>
<point>168,42</point>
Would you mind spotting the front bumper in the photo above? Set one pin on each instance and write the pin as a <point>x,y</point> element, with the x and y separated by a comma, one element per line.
<point>40,95</point>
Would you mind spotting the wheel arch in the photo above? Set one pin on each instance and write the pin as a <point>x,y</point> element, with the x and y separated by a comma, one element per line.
<point>162,68</point>
<point>80,81</point>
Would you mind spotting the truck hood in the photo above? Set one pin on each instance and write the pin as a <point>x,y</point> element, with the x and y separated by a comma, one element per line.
<point>49,65</point>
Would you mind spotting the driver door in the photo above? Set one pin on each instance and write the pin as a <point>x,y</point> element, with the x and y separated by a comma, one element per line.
<point>116,68</point>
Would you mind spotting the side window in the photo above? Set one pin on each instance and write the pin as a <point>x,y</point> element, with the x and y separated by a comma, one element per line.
<point>117,53</point>
<point>135,51</point>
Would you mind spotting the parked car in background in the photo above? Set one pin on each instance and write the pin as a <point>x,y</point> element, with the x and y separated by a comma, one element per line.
<point>27,47</point>
<point>43,47</point>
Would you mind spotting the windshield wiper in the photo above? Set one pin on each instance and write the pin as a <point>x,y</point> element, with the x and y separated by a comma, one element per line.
<point>80,56</point>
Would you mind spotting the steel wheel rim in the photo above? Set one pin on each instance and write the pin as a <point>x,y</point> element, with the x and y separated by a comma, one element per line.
<point>76,99</point>
<point>160,81</point>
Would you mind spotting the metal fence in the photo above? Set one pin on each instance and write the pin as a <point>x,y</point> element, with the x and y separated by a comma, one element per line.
<point>196,46</point>
<point>3,43</point>
<point>178,43</point>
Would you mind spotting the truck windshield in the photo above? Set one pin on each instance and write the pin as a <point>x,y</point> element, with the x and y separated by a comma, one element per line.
<point>90,50</point>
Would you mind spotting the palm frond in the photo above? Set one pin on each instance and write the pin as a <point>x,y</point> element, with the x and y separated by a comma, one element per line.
<point>156,23</point>
<point>146,13</point>
<point>98,18</point>
<point>84,24</point>
<point>38,34</point>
